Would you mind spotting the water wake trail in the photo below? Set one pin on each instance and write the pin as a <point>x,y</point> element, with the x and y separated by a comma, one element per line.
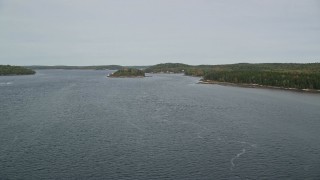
<point>234,158</point>
<point>5,83</point>
<point>246,143</point>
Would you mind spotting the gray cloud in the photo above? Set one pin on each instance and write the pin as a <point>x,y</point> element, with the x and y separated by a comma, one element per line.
<point>141,32</point>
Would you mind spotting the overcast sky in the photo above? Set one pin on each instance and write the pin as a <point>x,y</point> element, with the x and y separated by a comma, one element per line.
<point>147,32</point>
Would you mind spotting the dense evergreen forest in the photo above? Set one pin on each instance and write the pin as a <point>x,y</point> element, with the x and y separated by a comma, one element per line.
<point>102,67</point>
<point>286,79</point>
<point>286,75</point>
<point>14,70</point>
<point>168,68</point>
<point>128,72</point>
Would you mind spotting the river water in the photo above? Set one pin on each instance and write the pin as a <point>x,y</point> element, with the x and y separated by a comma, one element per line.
<point>73,124</point>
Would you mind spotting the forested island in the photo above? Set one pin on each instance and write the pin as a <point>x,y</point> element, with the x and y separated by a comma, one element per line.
<point>127,73</point>
<point>6,70</point>
<point>280,75</point>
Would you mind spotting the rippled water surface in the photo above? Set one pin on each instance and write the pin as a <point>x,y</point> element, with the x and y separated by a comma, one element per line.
<point>70,124</point>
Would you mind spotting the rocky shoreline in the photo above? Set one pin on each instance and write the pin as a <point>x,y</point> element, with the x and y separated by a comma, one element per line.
<point>256,86</point>
<point>126,76</point>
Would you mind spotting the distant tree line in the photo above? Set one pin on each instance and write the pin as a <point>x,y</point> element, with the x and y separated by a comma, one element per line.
<point>15,70</point>
<point>168,68</point>
<point>128,72</point>
<point>288,75</point>
<point>299,80</point>
<point>102,67</point>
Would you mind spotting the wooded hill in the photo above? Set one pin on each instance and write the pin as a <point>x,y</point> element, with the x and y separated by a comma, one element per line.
<point>168,68</point>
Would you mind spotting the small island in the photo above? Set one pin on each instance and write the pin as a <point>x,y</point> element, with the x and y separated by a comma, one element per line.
<point>127,73</point>
<point>7,70</point>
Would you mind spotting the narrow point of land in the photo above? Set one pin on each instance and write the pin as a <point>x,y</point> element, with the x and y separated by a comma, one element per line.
<point>7,70</point>
<point>202,81</point>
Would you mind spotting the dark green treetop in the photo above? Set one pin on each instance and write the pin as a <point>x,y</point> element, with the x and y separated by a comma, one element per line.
<point>14,70</point>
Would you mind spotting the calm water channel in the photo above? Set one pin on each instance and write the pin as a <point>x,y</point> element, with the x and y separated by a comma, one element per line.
<point>72,124</point>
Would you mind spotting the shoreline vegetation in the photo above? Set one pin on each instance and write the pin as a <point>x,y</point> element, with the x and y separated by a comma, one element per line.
<point>99,67</point>
<point>287,76</point>
<point>7,70</point>
<point>256,86</point>
<point>128,73</point>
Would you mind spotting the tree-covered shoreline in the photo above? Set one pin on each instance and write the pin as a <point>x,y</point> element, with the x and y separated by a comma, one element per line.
<point>168,68</point>
<point>283,75</point>
<point>128,72</point>
<point>101,67</point>
<point>297,80</point>
<point>7,70</point>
